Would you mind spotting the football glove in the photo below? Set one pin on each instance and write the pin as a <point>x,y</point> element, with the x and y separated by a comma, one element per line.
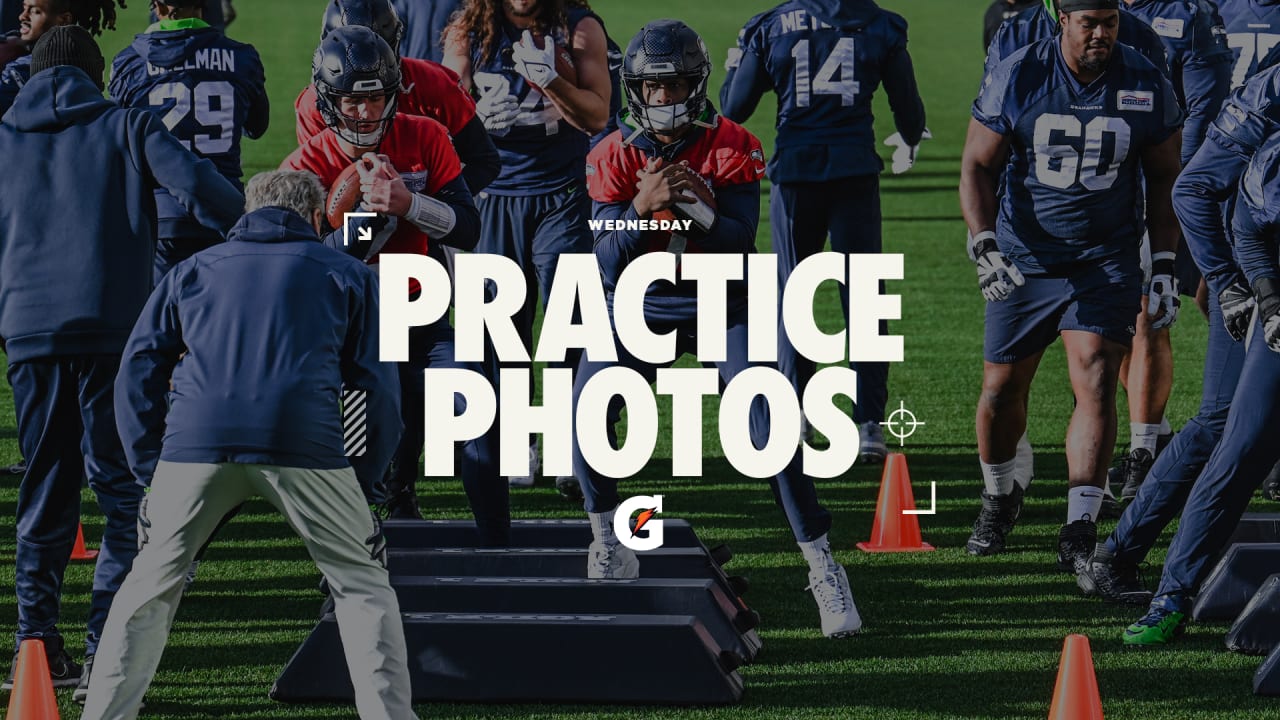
<point>997,277</point>
<point>904,155</point>
<point>1162,298</point>
<point>1267,292</point>
<point>1237,305</point>
<point>498,112</point>
<point>537,65</point>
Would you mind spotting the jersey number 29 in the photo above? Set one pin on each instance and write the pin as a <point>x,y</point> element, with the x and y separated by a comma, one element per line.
<point>1075,165</point>
<point>839,63</point>
<point>213,103</point>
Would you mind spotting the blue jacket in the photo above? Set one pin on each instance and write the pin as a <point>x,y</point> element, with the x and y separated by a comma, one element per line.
<point>77,225</point>
<point>258,336</point>
<point>1256,219</point>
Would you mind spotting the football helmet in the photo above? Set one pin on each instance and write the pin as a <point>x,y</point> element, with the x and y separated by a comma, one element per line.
<point>354,62</point>
<point>377,15</point>
<point>666,50</point>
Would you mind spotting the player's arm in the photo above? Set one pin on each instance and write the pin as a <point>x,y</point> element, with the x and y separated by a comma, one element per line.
<point>899,78</point>
<point>737,217</point>
<point>585,105</point>
<point>457,55</point>
<point>448,216</point>
<point>480,160</point>
<point>195,182</point>
<point>1204,184</point>
<point>1161,164</point>
<point>259,117</point>
<point>745,82</point>
<point>1255,247</point>
<point>361,370</point>
<point>1206,81</point>
<point>615,248</point>
<point>984,157</point>
<point>142,384</point>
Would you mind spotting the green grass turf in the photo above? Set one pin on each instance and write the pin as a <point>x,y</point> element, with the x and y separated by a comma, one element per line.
<point>947,636</point>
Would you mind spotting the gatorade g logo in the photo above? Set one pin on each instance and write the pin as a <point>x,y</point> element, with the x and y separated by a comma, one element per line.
<point>647,506</point>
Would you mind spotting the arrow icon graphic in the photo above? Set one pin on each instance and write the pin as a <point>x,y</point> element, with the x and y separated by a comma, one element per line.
<point>364,234</point>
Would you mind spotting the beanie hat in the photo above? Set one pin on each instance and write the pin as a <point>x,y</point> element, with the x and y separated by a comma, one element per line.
<point>69,45</point>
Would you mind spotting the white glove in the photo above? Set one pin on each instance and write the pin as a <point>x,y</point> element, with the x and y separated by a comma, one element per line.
<point>997,277</point>
<point>904,155</point>
<point>537,65</point>
<point>1162,299</point>
<point>498,112</point>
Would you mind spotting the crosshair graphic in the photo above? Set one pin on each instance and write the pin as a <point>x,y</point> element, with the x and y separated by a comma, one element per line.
<point>901,424</point>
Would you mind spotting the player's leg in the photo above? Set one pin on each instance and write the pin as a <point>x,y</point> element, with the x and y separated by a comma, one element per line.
<point>48,507</point>
<point>607,558</point>
<point>798,214</point>
<point>1017,331</point>
<point>112,482</point>
<point>1219,496</point>
<point>178,515</point>
<point>1149,381</point>
<point>796,494</point>
<point>563,229</point>
<point>402,480</point>
<point>327,509</point>
<point>487,491</point>
<point>855,228</point>
<point>1113,570</point>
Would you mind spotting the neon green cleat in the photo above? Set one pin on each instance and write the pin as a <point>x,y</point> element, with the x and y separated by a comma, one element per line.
<point>1158,627</point>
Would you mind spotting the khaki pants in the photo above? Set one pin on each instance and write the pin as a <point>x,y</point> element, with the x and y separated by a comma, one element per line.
<point>325,507</point>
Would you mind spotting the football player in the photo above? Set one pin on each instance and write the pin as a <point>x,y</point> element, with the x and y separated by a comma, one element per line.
<point>825,60</point>
<point>218,13</point>
<point>541,123</point>
<point>429,89</point>
<point>37,17</point>
<point>416,185</point>
<point>1041,22</point>
<point>209,90</point>
<point>1072,126</point>
<point>1253,34</point>
<point>670,151</point>
<point>1247,449</point>
<point>1000,11</point>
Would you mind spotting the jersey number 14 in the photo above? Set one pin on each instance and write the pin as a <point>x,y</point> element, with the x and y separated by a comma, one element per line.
<point>834,77</point>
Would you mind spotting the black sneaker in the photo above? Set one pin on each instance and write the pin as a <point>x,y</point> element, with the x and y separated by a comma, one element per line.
<point>1136,467</point>
<point>403,505</point>
<point>999,515</point>
<point>1117,582</point>
<point>569,488</point>
<point>82,689</point>
<point>1076,542</point>
<point>64,671</point>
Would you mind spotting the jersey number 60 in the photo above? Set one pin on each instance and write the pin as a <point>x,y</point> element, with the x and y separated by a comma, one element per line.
<point>1074,165</point>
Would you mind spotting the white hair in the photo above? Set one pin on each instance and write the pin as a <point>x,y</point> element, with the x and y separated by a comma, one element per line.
<point>296,190</point>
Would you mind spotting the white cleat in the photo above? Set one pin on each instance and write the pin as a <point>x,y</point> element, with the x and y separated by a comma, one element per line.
<point>612,561</point>
<point>535,466</point>
<point>835,602</point>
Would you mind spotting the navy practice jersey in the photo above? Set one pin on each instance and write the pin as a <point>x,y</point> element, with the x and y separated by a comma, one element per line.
<point>1253,34</point>
<point>1257,214</point>
<point>542,152</point>
<point>825,69</point>
<point>1072,191</point>
<point>207,88</point>
<point>1199,60</point>
<point>1000,11</point>
<point>1035,24</point>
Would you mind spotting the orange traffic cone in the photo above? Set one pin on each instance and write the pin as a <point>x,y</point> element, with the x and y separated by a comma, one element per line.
<point>78,551</point>
<point>1075,697</point>
<point>32,695</point>
<point>893,531</point>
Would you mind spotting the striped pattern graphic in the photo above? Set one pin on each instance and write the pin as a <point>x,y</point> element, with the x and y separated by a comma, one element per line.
<point>355,422</point>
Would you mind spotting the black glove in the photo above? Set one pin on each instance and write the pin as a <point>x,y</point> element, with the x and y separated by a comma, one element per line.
<point>377,542</point>
<point>1237,305</point>
<point>1267,292</point>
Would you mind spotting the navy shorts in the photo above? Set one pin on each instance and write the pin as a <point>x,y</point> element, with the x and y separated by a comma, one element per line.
<point>1102,297</point>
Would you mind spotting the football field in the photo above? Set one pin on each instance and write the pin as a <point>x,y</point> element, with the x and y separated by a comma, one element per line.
<point>945,636</point>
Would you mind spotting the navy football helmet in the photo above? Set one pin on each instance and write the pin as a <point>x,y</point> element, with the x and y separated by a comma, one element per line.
<point>666,50</point>
<point>378,15</point>
<point>354,62</point>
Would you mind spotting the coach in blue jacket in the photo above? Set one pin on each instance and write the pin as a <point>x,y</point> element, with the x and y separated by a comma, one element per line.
<point>258,335</point>
<point>76,244</point>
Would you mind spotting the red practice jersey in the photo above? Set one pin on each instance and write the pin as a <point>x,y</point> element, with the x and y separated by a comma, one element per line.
<point>430,90</point>
<point>724,155</point>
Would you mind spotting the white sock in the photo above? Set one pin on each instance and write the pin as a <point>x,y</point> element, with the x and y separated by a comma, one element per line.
<point>602,526</point>
<point>1143,435</point>
<point>1023,463</point>
<point>999,478</point>
<point>1164,426</point>
<point>817,553</point>
<point>1083,503</point>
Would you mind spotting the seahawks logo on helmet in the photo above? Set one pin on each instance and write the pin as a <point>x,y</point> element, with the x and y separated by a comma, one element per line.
<point>378,15</point>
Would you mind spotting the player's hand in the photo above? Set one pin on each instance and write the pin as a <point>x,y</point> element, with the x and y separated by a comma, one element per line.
<point>659,186</point>
<point>537,65</point>
<point>1267,292</point>
<point>1237,305</point>
<point>904,155</point>
<point>383,189</point>
<point>997,277</point>
<point>498,112</point>
<point>377,541</point>
<point>1162,298</point>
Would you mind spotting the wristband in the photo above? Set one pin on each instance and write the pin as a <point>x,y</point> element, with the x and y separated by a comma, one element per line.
<point>431,216</point>
<point>978,244</point>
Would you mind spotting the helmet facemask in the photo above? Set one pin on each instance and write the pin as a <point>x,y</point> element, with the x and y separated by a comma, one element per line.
<point>354,62</point>
<point>662,51</point>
